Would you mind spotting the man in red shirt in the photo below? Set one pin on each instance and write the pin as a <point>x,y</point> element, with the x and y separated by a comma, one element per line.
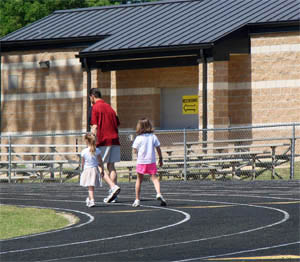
<point>105,123</point>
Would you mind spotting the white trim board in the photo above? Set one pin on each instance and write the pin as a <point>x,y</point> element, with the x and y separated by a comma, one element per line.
<point>42,96</point>
<point>50,133</point>
<point>35,65</point>
<point>275,49</point>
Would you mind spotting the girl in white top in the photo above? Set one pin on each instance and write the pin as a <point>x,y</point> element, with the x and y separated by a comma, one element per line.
<point>144,146</point>
<point>90,177</point>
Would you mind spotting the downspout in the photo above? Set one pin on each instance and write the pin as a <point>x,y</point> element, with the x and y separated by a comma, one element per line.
<point>204,96</point>
<point>89,86</point>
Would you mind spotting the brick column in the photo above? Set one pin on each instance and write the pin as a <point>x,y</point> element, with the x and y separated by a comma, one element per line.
<point>113,90</point>
<point>217,97</point>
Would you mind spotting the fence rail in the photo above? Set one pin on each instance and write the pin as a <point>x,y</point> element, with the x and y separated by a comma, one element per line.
<point>247,152</point>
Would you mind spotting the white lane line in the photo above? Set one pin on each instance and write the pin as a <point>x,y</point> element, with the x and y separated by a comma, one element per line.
<point>238,252</point>
<point>233,195</point>
<point>285,218</point>
<point>186,218</point>
<point>91,219</point>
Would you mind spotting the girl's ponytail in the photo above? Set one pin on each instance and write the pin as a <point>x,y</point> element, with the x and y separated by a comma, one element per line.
<point>91,141</point>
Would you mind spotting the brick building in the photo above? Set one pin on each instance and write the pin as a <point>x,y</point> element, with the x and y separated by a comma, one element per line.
<point>240,58</point>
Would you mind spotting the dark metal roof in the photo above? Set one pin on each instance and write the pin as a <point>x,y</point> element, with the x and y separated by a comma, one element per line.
<point>156,24</point>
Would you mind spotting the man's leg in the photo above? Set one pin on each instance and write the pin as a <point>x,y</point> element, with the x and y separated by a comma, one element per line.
<point>112,173</point>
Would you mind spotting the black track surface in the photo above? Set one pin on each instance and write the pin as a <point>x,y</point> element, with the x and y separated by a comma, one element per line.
<point>204,221</point>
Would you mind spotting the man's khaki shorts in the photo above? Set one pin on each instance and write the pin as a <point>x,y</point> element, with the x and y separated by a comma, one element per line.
<point>110,154</point>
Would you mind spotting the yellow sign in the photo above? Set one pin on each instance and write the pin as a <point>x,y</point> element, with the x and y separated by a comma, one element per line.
<point>190,105</point>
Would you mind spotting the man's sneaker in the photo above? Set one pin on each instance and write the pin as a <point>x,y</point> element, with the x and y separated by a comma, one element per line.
<point>113,201</point>
<point>91,203</point>
<point>106,198</point>
<point>113,194</point>
<point>160,198</point>
<point>136,203</point>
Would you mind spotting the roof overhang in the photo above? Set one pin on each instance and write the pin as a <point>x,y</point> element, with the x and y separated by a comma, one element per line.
<point>40,44</point>
<point>184,55</point>
<point>143,58</point>
<point>274,27</point>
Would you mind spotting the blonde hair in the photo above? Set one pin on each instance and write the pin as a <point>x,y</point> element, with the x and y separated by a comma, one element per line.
<point>91,142</point>
<point>144,126</point>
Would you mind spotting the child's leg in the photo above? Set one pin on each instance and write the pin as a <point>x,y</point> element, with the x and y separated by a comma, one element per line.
<point>156,183</point>
<point>159,197</point>
<point>91,192</point>
<point>138,183</point>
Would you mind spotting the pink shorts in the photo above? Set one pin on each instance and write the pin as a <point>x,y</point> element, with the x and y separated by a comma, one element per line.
<point>150,169</point>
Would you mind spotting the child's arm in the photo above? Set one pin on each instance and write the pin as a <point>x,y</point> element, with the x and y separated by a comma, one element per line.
<point>160,160</point>
<point>82,163</point>
<point>101,165</point>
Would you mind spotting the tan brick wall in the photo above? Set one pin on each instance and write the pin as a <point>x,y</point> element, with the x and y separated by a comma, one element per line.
<point>41,115</point>
<point>27,108</point>
<point>130,109</point>
<point>265,86</point>
<point>276,99</point>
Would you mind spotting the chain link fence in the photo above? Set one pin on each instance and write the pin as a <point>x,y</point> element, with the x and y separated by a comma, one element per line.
<point>239,153</point>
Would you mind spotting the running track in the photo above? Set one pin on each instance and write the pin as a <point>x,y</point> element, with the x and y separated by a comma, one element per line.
<point>204,221</point>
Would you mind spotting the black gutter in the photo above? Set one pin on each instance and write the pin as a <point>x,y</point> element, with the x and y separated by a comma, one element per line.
<point>83,54</point>
<point>275,27</point>
<point>52,40</point>
<point>82,42</point>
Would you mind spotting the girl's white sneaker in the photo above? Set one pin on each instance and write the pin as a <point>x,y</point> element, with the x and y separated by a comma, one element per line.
<point>87,201</point>
<point>91,203</point>
<point>136,203</point>
<point>160,198</point>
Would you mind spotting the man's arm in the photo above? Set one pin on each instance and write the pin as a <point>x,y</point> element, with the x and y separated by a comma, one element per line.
<point>94,129</point>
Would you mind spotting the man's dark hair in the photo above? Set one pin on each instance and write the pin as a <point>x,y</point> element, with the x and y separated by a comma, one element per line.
<point>95,92</point>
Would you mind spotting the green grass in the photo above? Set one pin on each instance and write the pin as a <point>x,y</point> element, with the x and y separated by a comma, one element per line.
<point>284,172</point>
<point>18,221</point>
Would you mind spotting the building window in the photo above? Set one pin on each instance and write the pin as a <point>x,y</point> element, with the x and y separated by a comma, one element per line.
<point>13,81</point>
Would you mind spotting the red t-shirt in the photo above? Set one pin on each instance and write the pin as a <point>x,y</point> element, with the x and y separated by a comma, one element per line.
<point>107,124</point>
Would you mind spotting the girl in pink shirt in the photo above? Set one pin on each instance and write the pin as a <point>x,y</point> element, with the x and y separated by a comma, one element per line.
<point>144,146</point>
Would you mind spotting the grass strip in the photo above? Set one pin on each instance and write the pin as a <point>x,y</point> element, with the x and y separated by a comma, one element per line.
<point>20,221</point>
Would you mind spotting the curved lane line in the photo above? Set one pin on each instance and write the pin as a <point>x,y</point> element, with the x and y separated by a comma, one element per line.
<point>187,217</point>
<point>286,217</point>
<point>235,195</point>
<point>239,252</point>
<point>91,219</point>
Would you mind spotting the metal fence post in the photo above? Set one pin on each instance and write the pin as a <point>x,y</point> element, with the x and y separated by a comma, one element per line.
<point>9,159</point>
<point>292,163</point>
<point>185,152</point>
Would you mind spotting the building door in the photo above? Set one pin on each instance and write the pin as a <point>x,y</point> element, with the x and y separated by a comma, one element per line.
<point>172,116</point>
